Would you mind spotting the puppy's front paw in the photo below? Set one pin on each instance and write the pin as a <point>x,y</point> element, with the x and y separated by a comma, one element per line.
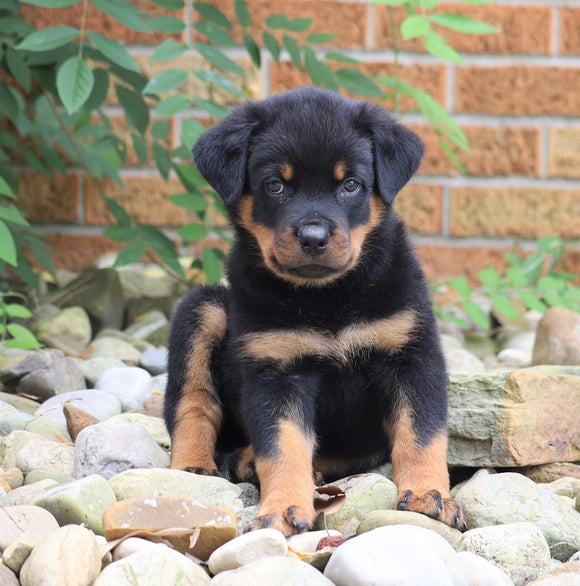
<point>290,521</point>
<point>446,510</point>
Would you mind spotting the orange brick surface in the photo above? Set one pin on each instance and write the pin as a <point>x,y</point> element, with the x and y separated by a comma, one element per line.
<point>570,30</point>
<point>518,90</point>
<point>78,251</point>
<point>420,206</point>
<point>524,29</point>
<point>564,155</point>
<point>506,212</point>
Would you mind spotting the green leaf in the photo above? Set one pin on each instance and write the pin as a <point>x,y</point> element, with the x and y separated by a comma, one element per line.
<point>51,3</point>
<point>212,108</point>
<point>192,232</point>
<point>221,81</point>
<point>551,283</point>
<point>211,265</point>
<point>7,245</point>
<point>119,234</point>
<point>299,25</point>
<point>160,129</point>
<point>414,26</point>
<point>242,13</point>
<point>191,130</point>
<point>163,247</point>
<point>12,214</point>
<point>17,310</point>
<point>452,155</point>
<point>553,299</point>
<point>212,14</point>
<point>100,90</point>
<point>217,58</point>
<point>461,286</point>
<point>168,50</point>
<point>252,49</point>
<point>113,51</point>
<point>48,38</point>
<point>74,82</point>
<point>490,278</point>
<point>532,302</point>
<point>293,50</point>
<point>8,102</point>
<point>333,56</point>
<point>5,189</point>
<point>358,83</point>
<point>172,105</point>
<point>118,212</point>
<point>517,276</point>
<point>504,306</point>
<point>437,46</point>
<point>18,68</point>
<point>170,4</point>
<point>131,253</point>
<point>320,73</point>
<point>162,160</point>
<point>165,81</point>
<point>320,38</point>
<point>272,45</point>
<point>123,11</point>
<point>463,24</point>
<point>476,314</point>
<point>23,337</point>
<point>140,147</point>
<point>189,201</point>
<point>190,174</point>
<point>551,245</point>
<point>217,35</point>
<point>14,25</point>
<point>276,21</point>
<point>170,25</point>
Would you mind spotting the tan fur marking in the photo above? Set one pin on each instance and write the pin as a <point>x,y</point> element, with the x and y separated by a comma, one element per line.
<point>358,235</point>
<point>286,346</point>
<point>286,171</point>
<point>199,414</point>
<point>244,470</point>
<point>340,170</point>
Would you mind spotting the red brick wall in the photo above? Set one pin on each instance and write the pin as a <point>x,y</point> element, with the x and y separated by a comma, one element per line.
<point>517,96</point>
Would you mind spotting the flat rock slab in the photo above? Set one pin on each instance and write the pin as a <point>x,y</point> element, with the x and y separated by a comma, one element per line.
<point>20,519</point>
<point>522,418</point>
<point>216,525</point>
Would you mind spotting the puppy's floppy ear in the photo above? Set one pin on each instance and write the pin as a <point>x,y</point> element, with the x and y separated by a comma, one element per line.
<point>397,150</point>
<point>220,154</point>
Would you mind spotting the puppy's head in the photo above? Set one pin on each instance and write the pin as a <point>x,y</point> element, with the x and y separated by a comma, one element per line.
<point>308,174</point>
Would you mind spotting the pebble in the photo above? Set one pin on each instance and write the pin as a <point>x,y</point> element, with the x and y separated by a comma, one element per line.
<point>70,551</point>
<point>72,322</point>
<point>93,368</point>
<point>96,402</point>
<point>18,551</point>
<point>154,425</point>
<point>110,347</point>
<point>564,575</point>
<point>154,566</point>
<point>20,519</point>
<point>8,577</point>
<point>43,454</point>
<point>37,475</point>
<point>11,445</point>
<point>131,385</point>
<point>111,447</point>
<point>309,541</point>
<point>130,546</point>
<point>154,361</point>
<point>12,477</point>
<point>21,404</point>
<point>558,337</point>
<point>146,325</point>
<point>468,569</point>
<point>81,501</point>
<point>6,409</point>
<point>27,495</point>
<point>460,359</point>
<point>247,548</point>
<point>519,549</point>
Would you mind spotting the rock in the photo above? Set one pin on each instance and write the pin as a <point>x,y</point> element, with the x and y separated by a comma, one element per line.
<point>130,546</point>
<point>12,444</point>
<point>550,472</point>
<point>42,454</point>
<point>385,518</point>
<point>515,357</point>
<point>43,374</point>
<point>148,483</point>
<point>498,499</point>
<point>217,525</point>
<point>7,576</point>
<point>364,493</point>
<point>110,347</point>
<point>81,501</point>
<point>250,494</point>
<point>6,409</point>
<point>156,565</point>
<point>468,569</point>
<point>67,552</point>
<point>20,519</point>
<point>26,495</point>
<point>153,407</point>
<point>460,360</point>
<point>77,419</point>
<point>247,548</point>
<point>12,477</point>
<point>558,337</point>
<point>94,367</point>
<point>519,549</point>
<point>111,447</point>
<point>131,385</point>
<point>154,425</point>
<point>20,403</point>
<point>389,556</point>
<point>565,575</point>
<point>65,344</point>
<point>518,419</point>
<point>37,475</point>
<point>272,571</point>
<point>140,345</point>
<point>567,486</point>
<point>71,322</point>
<point>154,361</point>
<point>97,403</point>
<point>18,551</point>
<point>146,325</point>
<point>481,345</point>
<point>309,540</point>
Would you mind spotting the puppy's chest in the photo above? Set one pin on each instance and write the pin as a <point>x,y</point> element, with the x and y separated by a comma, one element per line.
<point>285,346</point>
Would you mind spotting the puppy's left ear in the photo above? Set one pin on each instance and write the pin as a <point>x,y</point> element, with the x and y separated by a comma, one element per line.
<point>397,150</point>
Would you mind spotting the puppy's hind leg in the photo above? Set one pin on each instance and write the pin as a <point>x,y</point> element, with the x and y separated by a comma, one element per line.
<point>193,412</point>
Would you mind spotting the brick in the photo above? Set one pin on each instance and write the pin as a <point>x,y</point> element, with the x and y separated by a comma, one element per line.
<point>420,206</point>
<point>518,90</point>
<point>524,29</point>
<point>431,78</point>
<point>569,30</point>
<point>564,153</point>
<point>494,151</point>
<point>78,251</point>
<point>347,20</point>
<point>97,21</point>
<point>49,199</point>
<point>506,212</point>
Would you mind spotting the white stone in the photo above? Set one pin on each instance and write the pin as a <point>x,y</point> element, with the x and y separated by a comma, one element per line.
<point>131,385</point>
<point>468,569</point>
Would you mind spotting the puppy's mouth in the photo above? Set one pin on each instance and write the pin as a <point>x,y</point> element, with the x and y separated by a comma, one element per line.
<point>310,272</point>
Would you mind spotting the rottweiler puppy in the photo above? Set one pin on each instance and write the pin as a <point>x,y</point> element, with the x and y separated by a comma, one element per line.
<point>322,353</point>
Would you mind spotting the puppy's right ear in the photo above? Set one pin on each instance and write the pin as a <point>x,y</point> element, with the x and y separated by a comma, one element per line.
<point>220,154</point>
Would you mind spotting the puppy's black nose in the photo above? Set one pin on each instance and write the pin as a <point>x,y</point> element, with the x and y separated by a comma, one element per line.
<point>313,238</point>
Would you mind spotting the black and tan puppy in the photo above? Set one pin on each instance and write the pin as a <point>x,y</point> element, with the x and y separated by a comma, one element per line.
<point>322,354</point>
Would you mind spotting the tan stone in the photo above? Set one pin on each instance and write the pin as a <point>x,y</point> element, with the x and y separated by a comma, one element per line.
<point>565,575</point>
<point>217,525</point>
<point>564,153</point>
<point>77,420</point>
<point>558,338</point>
<point>552,472</point>
<point>12,477</point>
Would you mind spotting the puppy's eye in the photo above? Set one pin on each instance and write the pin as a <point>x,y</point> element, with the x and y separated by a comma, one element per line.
<point>351,186</point>
<point>274,187</point>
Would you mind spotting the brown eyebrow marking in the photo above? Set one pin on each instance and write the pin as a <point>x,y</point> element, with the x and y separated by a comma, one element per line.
<point>286,346</point>
<point>286,171</point>
<point>340,170</point>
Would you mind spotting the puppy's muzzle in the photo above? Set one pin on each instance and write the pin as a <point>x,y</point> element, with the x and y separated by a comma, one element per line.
<point>314,237</point>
